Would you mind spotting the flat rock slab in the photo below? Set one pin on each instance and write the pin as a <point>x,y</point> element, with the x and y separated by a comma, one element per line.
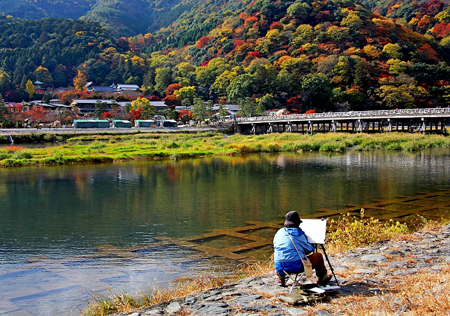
<point>296,311</point>
<point>364,271</point>
<point>246,299</point>
<point>173,307</point>
<point>320,312</point>
<point>211,309</point>
<point>374,258</point>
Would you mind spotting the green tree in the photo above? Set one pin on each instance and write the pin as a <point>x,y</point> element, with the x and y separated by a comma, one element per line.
<point>343,71</point>
<point>246,108</point>
<point>169,114</point>
<point>397,67</point>
<point>352,21</point>
<point>339,34</point>
<point>43,75</point>
<point>5,82</point>
<point>23,83</point>
<point>317,88</point>
<point>223,112</point>
<point>148,111</point>
<point>199,110</point>
<point>241,87</point>
<point>266,102</point>
<point>223,81</point>
<point>3,111</point>
<point>162,79</point>
<point>299,10</point>
<point>183,74</point>
<point>400,92</point>
<point>46,98</point>
<point>100,108</point>
<point>305,33</point>
<point>362,74</point>
<point>393,50</point>
<point>210,107</point>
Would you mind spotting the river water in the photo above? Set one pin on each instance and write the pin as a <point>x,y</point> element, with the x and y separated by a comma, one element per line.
<point>59,226</point>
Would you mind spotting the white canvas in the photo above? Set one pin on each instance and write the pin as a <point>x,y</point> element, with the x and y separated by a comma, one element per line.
<point>315,230</point>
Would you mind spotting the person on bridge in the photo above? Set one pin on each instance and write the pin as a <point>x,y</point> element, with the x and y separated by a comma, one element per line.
<point>287,254</point>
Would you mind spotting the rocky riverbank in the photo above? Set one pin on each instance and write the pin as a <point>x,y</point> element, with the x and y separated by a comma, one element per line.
<point>408,275</point>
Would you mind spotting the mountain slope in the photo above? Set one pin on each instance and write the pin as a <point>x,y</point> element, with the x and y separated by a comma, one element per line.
<point>30,9</point>
<point>125,18</point>
<point>120,17</point>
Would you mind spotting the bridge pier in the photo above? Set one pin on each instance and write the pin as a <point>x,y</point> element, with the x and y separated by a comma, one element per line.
<point>310,128</point>
<point>289,127</point>
<point>333,126</point>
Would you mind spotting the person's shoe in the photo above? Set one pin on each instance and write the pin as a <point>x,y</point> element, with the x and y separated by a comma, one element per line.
<point>325,280</point>
<point>281,283</point>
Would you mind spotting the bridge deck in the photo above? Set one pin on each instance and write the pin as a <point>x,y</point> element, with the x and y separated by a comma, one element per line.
<point>423,119</point>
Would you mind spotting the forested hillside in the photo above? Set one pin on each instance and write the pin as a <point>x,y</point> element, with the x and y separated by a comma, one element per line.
<point>120,17</point>
<point>301,54</point>
<point>38,9</point>
<point>421,16</point>
<point>47,50</point>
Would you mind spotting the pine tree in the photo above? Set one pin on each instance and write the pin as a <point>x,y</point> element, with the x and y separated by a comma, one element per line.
<point>23,83</point>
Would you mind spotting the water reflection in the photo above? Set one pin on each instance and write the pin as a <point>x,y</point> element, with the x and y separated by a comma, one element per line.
<point>60,211</point>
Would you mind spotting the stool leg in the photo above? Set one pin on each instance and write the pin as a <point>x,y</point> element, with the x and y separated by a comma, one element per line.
<point>294,283</point>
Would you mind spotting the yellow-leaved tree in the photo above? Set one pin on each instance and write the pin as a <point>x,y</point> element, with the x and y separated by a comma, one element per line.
<point>29,88</point>
<point>80,80</point>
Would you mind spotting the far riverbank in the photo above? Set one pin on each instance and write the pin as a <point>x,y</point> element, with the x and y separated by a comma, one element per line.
<point>113,131</point>
<point>108,148</point>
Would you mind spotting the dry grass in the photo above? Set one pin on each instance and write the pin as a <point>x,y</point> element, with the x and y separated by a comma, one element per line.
<point>417,294</point>
<point>122,303</point>
<point>183,286</point>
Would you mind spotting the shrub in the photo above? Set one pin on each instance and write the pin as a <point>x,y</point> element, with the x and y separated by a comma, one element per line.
<point>349,231</point>
<point>273,148</point>
<point>173,145</point>
<point>22,155</point>
<point>58,157</point>
<point>97,145</point>
<point>332,147</point>
<point>49,137</point>
<point>3,156</point>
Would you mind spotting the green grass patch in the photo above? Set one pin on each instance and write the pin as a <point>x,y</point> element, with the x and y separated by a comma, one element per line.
<point>109,148</point>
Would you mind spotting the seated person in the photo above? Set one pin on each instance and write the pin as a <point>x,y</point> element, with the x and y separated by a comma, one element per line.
<point>286,257</point>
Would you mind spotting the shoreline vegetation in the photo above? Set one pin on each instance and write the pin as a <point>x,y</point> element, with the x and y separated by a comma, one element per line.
<point>109,148</point>
<point>346,233</point>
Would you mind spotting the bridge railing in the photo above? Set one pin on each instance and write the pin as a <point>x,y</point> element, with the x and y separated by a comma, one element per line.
<point>350,114</point>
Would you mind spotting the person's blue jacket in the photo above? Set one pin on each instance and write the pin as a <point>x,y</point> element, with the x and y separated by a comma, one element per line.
<point>286,257</point>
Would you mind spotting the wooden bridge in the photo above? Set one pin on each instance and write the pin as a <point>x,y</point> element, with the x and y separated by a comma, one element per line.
<point>430,120</point>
